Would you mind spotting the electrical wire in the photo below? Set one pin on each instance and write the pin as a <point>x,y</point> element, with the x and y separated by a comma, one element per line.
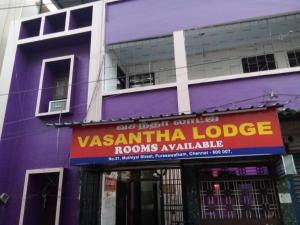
<point>208,108</point>
<point>96,88</point>
<point>173,69</point>
<point>98,81</point>
<point>45,130</point>
<point>35,5</point>
<point>107,79</point>
<point>86,198</point>
<point>74,84</point>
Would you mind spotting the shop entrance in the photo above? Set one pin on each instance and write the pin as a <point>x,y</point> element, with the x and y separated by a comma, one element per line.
<point>237,196</point>
<point>149,197</point>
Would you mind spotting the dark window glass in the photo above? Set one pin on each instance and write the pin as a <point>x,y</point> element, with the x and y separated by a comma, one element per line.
<point>121,76</point>
<point>293,62</point>
<point>291,55</point>
<point>270,58</point>
<point>294,58</point>
<point>245,68</point>
<point>258,63</point>
<point>261,59</point>
<point>253,68</point>
<point>298,58</point>
<point>252,60</point>
<point>61,87</point>
<point>140,80</point>
<point>271,65</point>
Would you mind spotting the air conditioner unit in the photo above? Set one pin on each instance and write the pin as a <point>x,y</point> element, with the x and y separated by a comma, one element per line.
<point>57,105</point>
<point>4,198</point>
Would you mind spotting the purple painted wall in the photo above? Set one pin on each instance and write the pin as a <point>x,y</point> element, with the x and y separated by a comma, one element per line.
<point>148,103</point>
<point>137,19</point>
<point>26,141</point>
<point>246,92</point>
<point>28,144</point>
<point>54,23</point>
<point>48,86</point>
<point>81,18</point>
<point>30,28</point>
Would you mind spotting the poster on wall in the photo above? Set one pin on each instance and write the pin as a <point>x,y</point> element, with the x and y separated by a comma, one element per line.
<point>237,134</point>
<point>109,198</point>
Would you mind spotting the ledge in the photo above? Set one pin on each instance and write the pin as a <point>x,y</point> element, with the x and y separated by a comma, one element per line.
<point>245,75</point>
<point>54,35</point>
<point>52,113</point>
<point>139,89</point>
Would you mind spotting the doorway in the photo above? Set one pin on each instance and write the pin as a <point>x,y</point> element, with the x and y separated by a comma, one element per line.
<point>149,197</point>
<point>41,197</point>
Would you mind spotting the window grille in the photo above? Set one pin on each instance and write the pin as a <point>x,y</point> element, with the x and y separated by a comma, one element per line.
<point>61,88</point>
<point>294,58</point>
<point>258,63</point>
<point>140,80</point>
<point>121,76</point>
<point>238,199</point>
<point>238,194</point>
<point>172,191</point>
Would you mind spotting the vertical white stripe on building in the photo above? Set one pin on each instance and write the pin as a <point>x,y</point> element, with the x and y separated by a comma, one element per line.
<point>183,97</point>
<point>94,101</point>
<point>7,70</point>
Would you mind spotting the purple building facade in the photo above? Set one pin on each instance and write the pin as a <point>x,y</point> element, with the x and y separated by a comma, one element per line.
<point>113,61</point>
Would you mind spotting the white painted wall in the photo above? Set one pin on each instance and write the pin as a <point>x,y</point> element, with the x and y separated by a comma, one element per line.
<point>164,70</point>
<point>11,10</point>
<point>183,97</point>
<point>228,61</point>
<point>110,79</point>
<point>205,64</point>
<point>7,69</point>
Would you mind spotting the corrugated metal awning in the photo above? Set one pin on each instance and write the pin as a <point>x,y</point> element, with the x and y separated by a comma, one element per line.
<point>211,112</point>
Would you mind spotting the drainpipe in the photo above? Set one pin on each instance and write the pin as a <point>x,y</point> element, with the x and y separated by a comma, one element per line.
<point>41,6</point>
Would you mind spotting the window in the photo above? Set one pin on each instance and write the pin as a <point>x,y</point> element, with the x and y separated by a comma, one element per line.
<point>139,63</point>
<point>61,87</point>
<point>55,87</point>
<point>294,58</point>
<point>258,63</point>
<point>140,80</point>
<point>217,51</point>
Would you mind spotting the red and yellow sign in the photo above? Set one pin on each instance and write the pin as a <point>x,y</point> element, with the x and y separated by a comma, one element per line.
<point>251,133</point>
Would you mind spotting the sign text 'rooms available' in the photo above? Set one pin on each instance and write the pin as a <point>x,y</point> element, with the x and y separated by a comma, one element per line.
<point>225,135</point>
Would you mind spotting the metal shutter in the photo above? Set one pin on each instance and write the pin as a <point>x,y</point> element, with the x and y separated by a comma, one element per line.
<point>296,179</point>
<point>90,197</point>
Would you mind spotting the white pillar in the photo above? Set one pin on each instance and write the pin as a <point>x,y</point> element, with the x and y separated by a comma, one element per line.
<point>96,72</point>
<point>183,97</point>
<point>281,59</point>
<point>7,69</point>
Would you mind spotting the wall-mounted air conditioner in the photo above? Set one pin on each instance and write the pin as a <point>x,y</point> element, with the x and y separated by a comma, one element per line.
<point>57,105</point>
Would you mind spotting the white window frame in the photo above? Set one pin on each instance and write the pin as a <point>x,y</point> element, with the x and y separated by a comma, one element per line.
<point>60,171</point>
<point>67,110</point>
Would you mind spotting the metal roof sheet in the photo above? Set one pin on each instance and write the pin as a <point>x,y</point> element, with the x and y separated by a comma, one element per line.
<point>212,111</point>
